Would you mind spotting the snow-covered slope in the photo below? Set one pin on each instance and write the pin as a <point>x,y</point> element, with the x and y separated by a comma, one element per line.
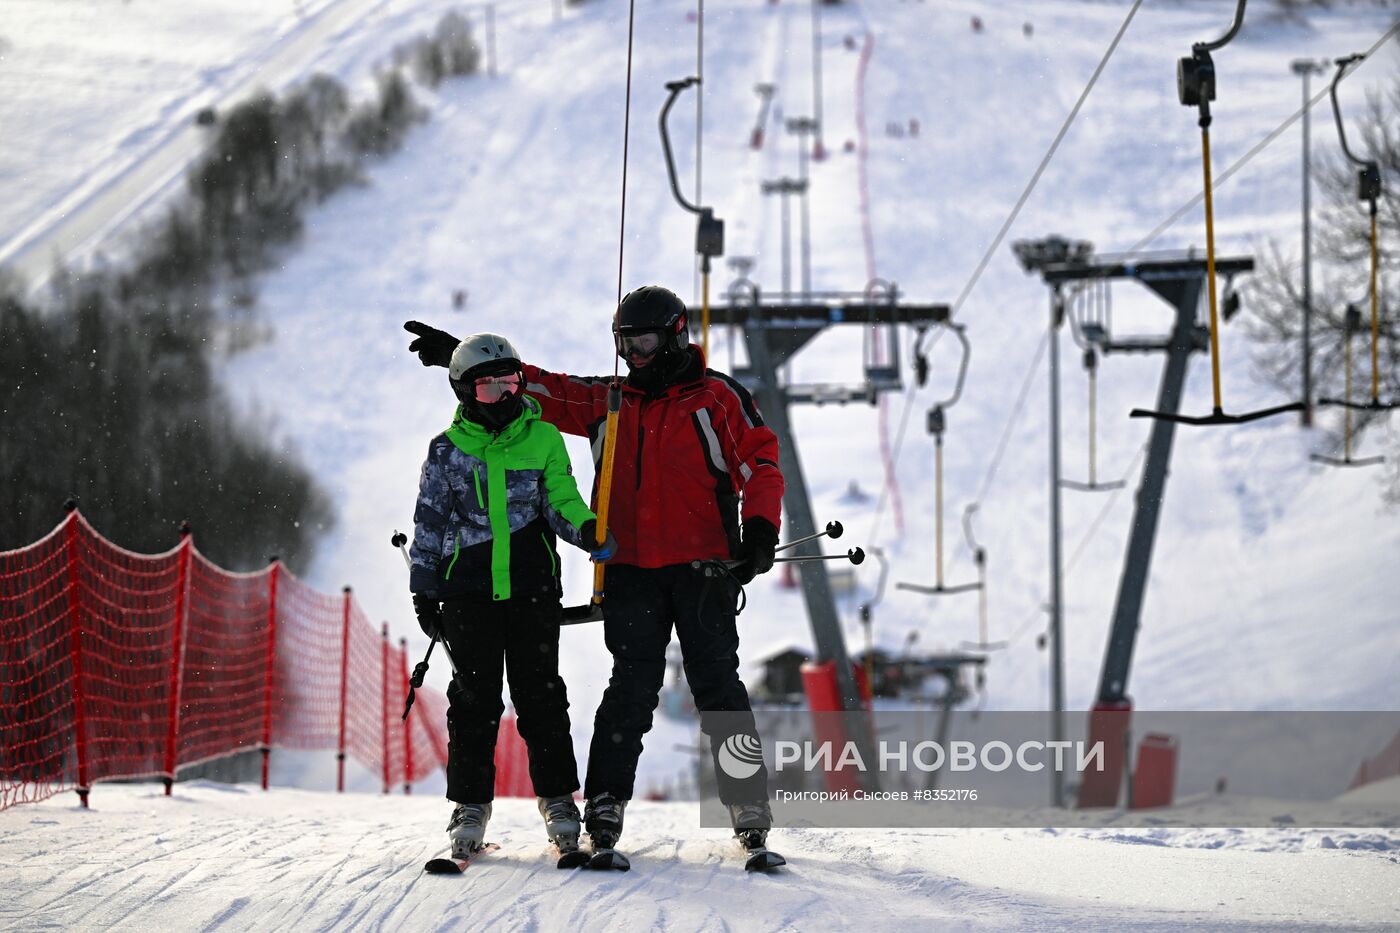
<point>1272,582</point>
<point>215,857</point>
<point>512,193</point>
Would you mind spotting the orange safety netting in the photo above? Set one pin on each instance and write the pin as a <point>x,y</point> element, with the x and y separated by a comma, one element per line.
<point>122,665</point>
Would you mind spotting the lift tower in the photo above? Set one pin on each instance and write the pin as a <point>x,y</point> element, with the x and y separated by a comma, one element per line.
<point>1179,279</point>
<point>774,331</point>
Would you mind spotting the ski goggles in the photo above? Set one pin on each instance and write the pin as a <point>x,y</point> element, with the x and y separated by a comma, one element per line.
<point>644,344</point>
<point>490,389</point>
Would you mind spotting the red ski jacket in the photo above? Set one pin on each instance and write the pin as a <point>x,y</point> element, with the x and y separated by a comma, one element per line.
<point>684,457</point>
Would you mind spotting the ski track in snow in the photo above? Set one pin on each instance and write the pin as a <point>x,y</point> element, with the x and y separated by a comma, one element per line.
<point>216,858</point>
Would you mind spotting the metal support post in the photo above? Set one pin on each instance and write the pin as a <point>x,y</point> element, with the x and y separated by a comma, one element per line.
<point>802,126</point>
<point>1057,660</point>
<point>1306,68</point>
<point>818,152</point>
<point>816,589</point>
<point>786,187</point>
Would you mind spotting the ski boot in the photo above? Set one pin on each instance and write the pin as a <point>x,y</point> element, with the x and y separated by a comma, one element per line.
<point>467,828</point>
<point>561,824</point>
<point>602,816</point>
<point>751,824</point>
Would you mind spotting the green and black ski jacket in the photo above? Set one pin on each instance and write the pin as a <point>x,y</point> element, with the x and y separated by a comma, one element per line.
<point>489,508</point>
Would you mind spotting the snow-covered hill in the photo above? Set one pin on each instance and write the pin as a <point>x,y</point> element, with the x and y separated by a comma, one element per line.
<point>215,857</point>
<point>511,192</point>
<point>1273,582</point>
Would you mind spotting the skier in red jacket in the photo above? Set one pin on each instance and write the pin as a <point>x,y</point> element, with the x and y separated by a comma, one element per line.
<point>695,478</point>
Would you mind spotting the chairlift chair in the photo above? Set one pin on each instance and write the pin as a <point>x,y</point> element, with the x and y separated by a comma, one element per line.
<point>937,425</point>
<point>1196,88</point>
<point>709,229</point>
<point>979,557</point>
<point>1351,323</point>
<point>1091,326</point>
<point>881,351</point>
<point>1369,190</point>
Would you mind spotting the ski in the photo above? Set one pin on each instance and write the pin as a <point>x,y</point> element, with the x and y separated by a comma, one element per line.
<point>572,857</point>
<point>454,865</point>
<point>608,860</point>
<point>763,859</point>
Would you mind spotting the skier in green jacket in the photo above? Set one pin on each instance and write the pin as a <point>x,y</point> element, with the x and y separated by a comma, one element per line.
<point>496,490</point>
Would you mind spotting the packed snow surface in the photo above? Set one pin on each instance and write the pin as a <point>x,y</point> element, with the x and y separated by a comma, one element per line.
<point>215,857</point>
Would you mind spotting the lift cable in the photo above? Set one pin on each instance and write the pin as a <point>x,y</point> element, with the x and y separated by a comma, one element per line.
<point>1044,162</point>
<point>1243,160</point>
<point>1001,235</point>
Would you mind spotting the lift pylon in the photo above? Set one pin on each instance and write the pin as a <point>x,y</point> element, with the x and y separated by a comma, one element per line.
<point>774,332</point>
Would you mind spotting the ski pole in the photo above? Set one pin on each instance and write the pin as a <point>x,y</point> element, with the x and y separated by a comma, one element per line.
<point>833,529</point>
<point>399,540</point>
<point>420,670</point>
<point>855,555</point>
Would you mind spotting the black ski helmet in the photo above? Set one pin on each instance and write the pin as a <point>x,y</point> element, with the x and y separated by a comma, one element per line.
<point>652,309</point>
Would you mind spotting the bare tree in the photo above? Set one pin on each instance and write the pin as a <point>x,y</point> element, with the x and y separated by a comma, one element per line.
<point>1342,277</point>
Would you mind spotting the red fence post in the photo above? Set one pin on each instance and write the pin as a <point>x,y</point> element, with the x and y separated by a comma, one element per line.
<point>384,704</point>
<point>177,654</point>
<point>344,672</point>
<point>407,724</point>
<point>267,673</point>
<point>76,646</point>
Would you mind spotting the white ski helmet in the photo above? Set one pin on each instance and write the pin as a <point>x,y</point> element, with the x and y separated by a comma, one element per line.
<point>475,352</point>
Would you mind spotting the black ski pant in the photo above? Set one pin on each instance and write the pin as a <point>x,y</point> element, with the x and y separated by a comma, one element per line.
<point>641,607</point>
<point>520,636</point>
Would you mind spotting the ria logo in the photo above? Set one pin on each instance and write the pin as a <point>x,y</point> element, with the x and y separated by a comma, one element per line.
<point>741,756</point>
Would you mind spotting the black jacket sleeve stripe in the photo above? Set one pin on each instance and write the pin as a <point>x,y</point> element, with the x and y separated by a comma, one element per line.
<point>746,404</point>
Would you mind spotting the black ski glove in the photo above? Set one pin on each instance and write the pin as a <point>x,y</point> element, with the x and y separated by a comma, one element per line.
<point>429,612</point>
<point>598,553</point>
<point>434,347</point>
<point>756,550</point>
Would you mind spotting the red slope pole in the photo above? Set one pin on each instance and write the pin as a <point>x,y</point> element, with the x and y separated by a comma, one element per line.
<point>76,648</point>
<point>407,724</point>
<point>269,666</point>
<point>344,671</point>
<point>384,703</point>
<point>177,655</point>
